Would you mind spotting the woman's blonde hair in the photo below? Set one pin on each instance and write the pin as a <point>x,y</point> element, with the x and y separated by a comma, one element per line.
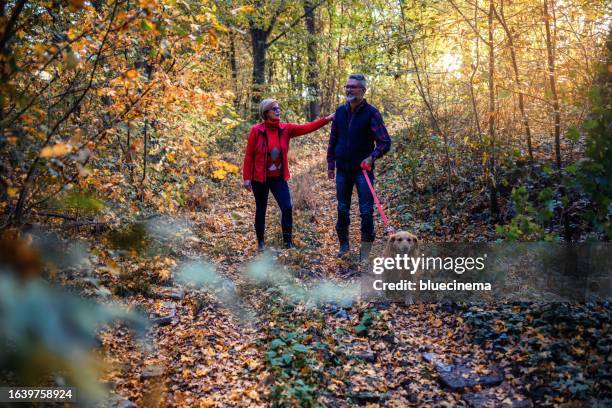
<point>265,106</point>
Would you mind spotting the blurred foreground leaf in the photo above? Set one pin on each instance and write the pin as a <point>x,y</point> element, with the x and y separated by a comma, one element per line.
<point>46,333</point>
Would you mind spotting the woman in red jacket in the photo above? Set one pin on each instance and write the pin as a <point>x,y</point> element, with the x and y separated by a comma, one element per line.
<point>266,169</point>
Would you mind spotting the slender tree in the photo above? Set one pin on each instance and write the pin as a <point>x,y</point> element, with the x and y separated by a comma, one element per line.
<point>260,31</point>
<point>548,16</point>
<point>494,206</point>
<point>517,77</point>
<point>312,70</point>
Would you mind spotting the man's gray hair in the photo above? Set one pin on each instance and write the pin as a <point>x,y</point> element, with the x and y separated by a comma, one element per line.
<point>361,78</point>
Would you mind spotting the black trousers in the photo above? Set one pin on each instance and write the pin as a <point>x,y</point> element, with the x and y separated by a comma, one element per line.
<point>280,191</point>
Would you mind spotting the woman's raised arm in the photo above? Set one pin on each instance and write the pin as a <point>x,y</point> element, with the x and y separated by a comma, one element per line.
<point>295,129</point>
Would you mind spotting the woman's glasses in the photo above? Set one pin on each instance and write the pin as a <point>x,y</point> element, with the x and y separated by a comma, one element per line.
<point>351,87</point>
<point>276,110</point>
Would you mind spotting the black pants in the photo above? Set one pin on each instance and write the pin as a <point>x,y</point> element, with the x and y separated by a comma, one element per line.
<point>280,191</point>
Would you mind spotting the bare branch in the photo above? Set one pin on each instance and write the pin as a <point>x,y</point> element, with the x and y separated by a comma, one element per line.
<point>294,23</point>
<point>6,35</point>
<point>468,22</point>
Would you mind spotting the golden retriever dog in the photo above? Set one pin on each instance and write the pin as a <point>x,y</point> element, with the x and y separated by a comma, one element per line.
<point>402,243</point>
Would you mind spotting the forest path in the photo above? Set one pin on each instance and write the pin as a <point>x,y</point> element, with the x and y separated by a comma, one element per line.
<point>212,354</point>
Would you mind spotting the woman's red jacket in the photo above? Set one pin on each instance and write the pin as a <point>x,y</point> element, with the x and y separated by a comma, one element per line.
<point>256,154</point>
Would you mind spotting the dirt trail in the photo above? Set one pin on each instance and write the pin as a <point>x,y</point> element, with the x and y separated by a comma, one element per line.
<point>208,356</point>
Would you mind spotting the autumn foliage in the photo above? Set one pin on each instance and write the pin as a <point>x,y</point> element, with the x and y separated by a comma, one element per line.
<point>94,95</point>
<point>123,125</point>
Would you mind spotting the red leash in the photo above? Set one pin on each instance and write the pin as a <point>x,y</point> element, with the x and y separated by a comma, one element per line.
<point>388,228</point>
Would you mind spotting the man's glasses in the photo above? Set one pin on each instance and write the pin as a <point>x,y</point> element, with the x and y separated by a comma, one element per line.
<point>351,87</point>
<point>276,110</point>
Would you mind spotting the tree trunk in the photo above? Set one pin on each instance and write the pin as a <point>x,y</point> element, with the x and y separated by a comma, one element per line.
<point>553,87</point>
<point>492,112</point>
<point>232,57</point>
<point>128,158</point>
<point>259,37</point>
<point>145,153</point>
<point>234,68</point>
<point>517,80</point>
<point>312,74</point>
<point>474,67</point>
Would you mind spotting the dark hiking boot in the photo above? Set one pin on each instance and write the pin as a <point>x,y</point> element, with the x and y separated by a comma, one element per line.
<point>343,238</point>
<point>261,246</point>
<point>364,251</point>
<point>288,240</point>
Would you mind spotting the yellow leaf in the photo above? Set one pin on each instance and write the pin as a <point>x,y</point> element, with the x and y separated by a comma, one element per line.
<point>244,9</point>
<point>131,74</point>
<point>212,38</point>
<point>220,27</point>
<point>40,49</point>
<point>229,123</point>
<point>147,3</point>
<point>71,34</point>
<point>253,395</point>
<point>254,364</point>
<point>187,144</point>
<point>57,150</point>
<point>219,174</point>
<point>12,191</point>
<point>164,274</point>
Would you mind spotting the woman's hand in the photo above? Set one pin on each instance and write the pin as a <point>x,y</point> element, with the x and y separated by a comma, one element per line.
<point>329,118</point>
<point>247,185</point>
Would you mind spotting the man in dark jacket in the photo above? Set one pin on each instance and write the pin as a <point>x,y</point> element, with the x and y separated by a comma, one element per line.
<point>358,137</point>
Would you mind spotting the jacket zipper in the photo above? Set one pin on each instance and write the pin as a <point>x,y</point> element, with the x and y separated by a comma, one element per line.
<point>348,139</point>
<point>265,156</point>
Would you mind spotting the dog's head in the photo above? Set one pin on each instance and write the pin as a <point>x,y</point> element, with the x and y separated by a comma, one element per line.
<point>402,242</point>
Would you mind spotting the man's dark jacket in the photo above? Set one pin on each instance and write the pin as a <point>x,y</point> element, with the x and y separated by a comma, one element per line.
<point>353,136</point>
